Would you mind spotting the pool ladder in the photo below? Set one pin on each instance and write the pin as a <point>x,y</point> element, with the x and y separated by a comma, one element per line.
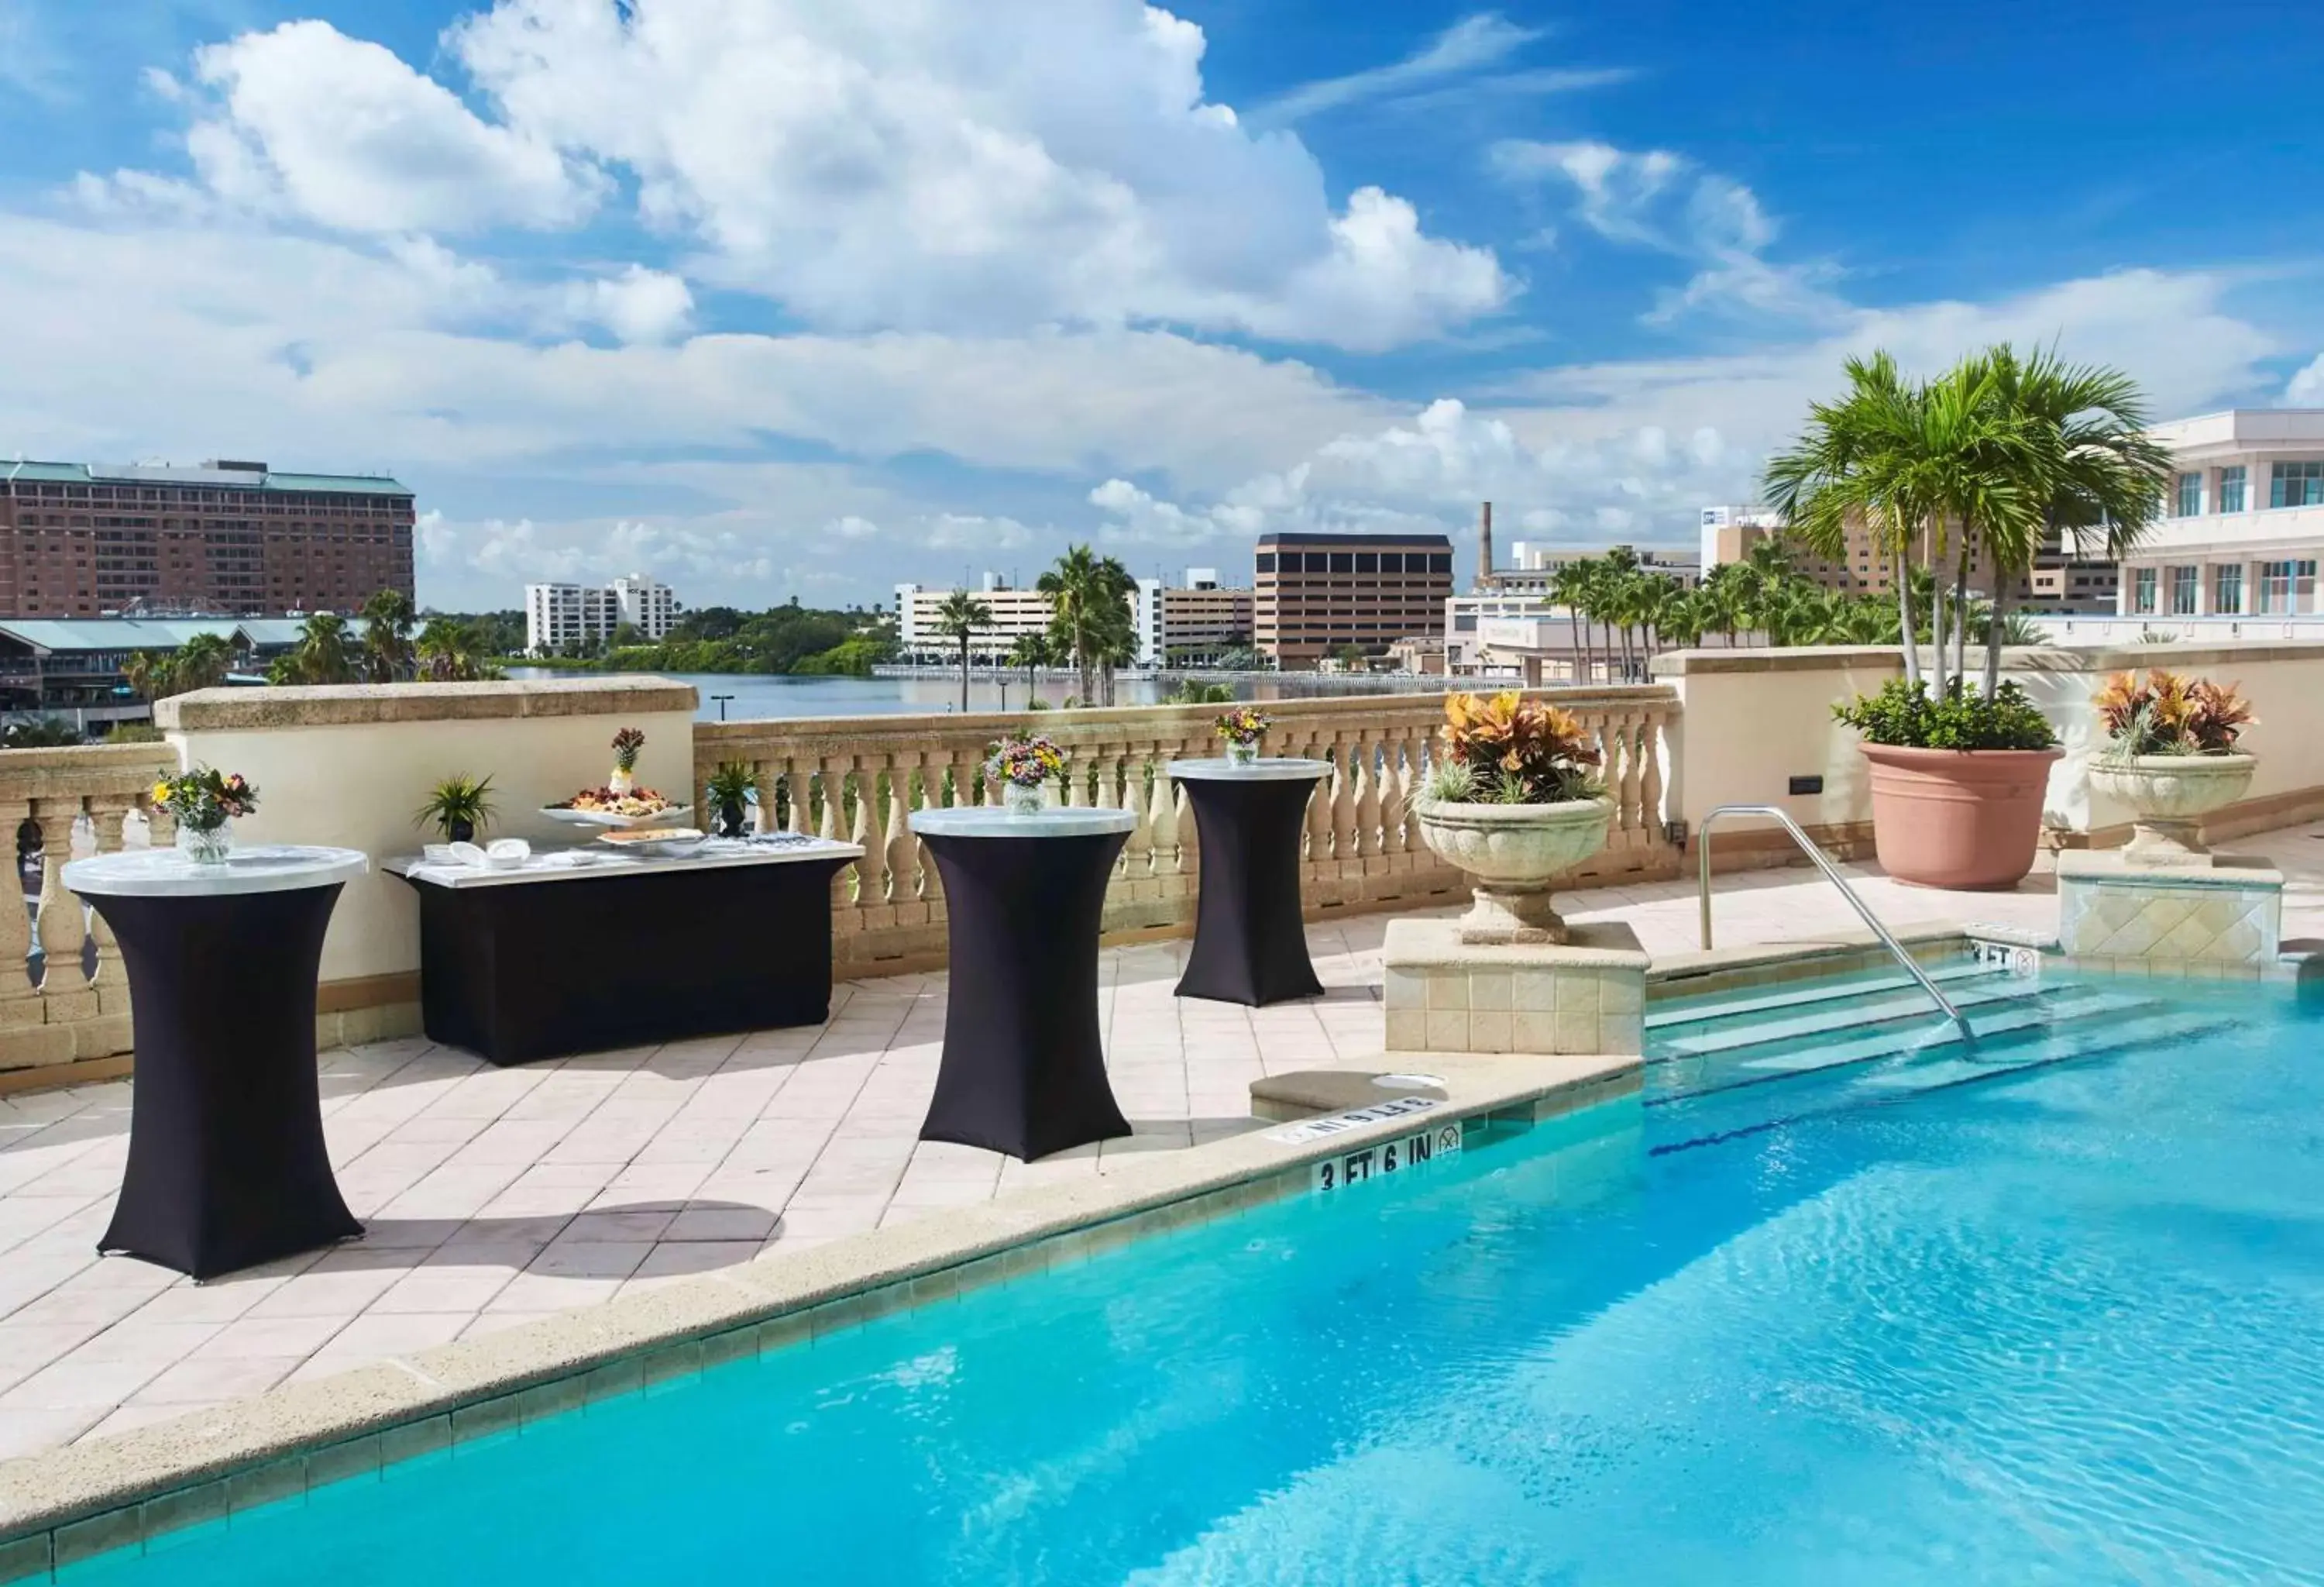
<point>1822,861</point>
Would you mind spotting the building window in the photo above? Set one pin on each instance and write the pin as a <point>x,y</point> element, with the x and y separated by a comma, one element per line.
<point>2141,591</point>
<point>2297,484</point>
<point>2227,590</point>
<point>2189,504</point>
<point>1344,562</point>
<point>2184,585</point>
<point>1267,561</point>
<point>2287,587</point>
<point>2231,488</point>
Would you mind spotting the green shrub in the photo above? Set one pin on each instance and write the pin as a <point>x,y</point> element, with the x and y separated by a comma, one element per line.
<point>1903,714</point>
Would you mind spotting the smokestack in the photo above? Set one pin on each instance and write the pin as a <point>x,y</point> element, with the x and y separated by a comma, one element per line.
<point>1485,544</point>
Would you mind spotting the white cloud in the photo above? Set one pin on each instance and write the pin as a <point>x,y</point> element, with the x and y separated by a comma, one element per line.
<point>639,305</point>
<point>1482,40</point>
<point>341,132</point>
<point>2306,387</point>
<point>1656,200</point>
<point>884,165</point>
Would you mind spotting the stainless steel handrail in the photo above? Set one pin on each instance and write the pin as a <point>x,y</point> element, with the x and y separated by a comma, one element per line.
<point>1809,846</point>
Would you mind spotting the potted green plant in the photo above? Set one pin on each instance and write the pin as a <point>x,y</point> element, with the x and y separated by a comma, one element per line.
<point>2170,756</point>
<point>730,791</point>
<point>1957,782</point>
<point>1513,798</point>
<point>458,808</point>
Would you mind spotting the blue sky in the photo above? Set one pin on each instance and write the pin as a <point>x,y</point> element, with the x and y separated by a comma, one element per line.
<point>772,297</point>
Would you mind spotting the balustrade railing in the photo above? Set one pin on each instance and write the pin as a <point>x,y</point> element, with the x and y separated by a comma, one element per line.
<point>859,779</point>
<point>62,997</point>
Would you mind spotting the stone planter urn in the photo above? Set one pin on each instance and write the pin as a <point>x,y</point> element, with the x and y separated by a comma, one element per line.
<point>1512,853</point>
<point>1968,819</point>
<point>2169,796</point>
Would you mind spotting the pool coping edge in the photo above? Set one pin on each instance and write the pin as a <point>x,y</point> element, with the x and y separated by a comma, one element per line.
<point>70,1504</point>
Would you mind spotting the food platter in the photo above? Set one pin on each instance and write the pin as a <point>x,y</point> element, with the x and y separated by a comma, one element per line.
<point>573,817</point>
<point>662,843</point>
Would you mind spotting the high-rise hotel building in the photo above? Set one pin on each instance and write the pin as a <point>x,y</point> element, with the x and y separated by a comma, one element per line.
<point>228,539</point>
<point>1320,593</point>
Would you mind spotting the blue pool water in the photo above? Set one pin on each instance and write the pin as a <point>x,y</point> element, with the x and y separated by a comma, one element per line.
<point>2060,1324</point>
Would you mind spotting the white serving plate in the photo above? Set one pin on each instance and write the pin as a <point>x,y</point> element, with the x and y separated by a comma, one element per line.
<point>667,848</point>
<point>674,815</point>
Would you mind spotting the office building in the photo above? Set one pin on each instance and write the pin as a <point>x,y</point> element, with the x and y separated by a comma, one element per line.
<point>2062,579</point>
<point>558,617</point>
<point>1192,624</point>
<point>227,538</point>
<point>1013,614</point>
<point>2243,519</point>
<point>1320,594</point>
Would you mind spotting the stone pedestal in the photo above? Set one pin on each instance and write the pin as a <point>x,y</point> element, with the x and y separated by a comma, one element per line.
<point>2227,911</point>
<point>1584,995</point>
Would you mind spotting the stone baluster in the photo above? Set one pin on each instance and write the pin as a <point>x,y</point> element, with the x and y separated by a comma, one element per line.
<point>1650,779</point>
<point>62,923</point>
<point>1137,795</point>
<point>1634,829</point>
<point>872,889</point>
<point>1320,807</point>
<point>1161,828</point>
<point>19,1000</point>
<point>107,813</point>
<point>1348,798</point>
<point>1370,753</point>
<point>799,798</point>
<point>902,860</point>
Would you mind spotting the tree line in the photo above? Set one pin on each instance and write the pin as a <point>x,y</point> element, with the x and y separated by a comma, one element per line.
<point>330,649</point>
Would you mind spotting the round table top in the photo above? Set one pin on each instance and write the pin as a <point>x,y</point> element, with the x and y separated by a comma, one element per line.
<point>991,821</point>
<point>1265,769</point>
<point>167,873</point>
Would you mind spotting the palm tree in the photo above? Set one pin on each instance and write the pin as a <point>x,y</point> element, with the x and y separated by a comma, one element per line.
<point>1087,603</point>
<point>2099,468</point>
<point>444,653</point>
<point>1031,651</point>
<point>322,654</point>
<point>202,662</point>
<point>1569,585</point>
<point>150,675</point>
<point>387,636</point>
<point>1842,471</point>
<point>961,616</point>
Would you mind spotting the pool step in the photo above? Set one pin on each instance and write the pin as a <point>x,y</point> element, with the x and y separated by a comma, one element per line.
<point>1910,1006</point>
<point>1704,1119</point>
<point>1704,1008</point>
<point>1751,1060</point>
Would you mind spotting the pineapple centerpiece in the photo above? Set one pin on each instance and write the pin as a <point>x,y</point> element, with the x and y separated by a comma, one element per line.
<point>626,745</point>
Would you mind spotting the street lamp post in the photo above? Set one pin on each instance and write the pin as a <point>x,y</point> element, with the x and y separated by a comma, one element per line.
<point>722,700</point>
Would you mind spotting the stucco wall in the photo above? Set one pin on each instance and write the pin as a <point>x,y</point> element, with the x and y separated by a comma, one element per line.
<point>347,766</point>
<point>1751,720</point>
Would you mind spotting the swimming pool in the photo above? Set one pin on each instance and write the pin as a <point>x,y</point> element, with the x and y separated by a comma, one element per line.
<point>2053,1321</point>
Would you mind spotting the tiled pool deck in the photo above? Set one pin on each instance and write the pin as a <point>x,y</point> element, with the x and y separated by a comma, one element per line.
<point>495,1195</point>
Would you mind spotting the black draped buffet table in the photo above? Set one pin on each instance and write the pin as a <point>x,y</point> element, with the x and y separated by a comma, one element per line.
<point>584,949</point>
<point>1024,1067</point>
<point>226,1163</point>
<point>1250,943</point>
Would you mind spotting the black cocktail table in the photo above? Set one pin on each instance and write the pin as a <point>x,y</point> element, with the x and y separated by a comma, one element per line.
<point>227,1167</point>
<point>1250,941</point>
<point>581,951</point>
<point>1024,1066</point>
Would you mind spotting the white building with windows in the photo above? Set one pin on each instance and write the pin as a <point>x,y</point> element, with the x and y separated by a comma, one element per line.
<point>1193,623</point>
<point>1011,615</point>
<point>559,615</point>
<point>2244,524</point>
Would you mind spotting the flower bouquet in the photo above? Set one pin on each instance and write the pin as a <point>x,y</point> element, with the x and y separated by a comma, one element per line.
<point>1022,766</point>
<point>1243,727</point>
<point>626,745</point>
<point>201,802</point>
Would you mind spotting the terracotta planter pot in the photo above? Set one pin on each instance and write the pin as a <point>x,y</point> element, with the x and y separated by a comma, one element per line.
<point>1512,853</point>
<point>2169,795</point>
<point>1965,819</point>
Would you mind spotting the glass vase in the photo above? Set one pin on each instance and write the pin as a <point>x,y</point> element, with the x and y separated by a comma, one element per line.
<point>1242,754</point>
<point>1021,798</point>
<point>205,845</point>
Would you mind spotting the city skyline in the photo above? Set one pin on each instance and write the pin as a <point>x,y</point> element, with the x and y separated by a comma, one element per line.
<point>1199,275</point>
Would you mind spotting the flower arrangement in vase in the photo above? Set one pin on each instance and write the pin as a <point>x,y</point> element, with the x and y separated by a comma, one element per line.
<point>1022,767</point>
<point>458,808</point>
<point>1243,727</point>
<point>626,745</point>
<point>202,801</point>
